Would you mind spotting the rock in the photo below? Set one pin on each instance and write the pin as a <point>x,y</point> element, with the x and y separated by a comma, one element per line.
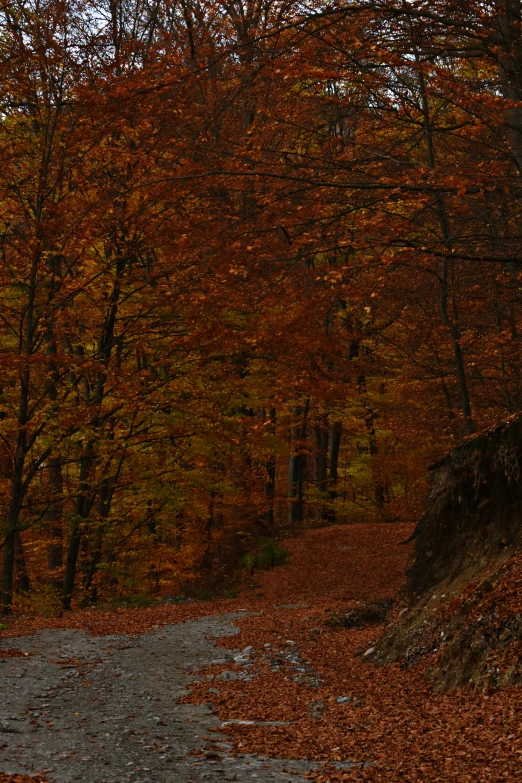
<point>176,599</point>
<point>229,675</point>
<point>7,728</point>
<point>369,652</point>
<point>316,709</point>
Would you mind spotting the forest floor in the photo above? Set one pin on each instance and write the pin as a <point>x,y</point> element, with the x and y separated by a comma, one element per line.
<point>265,687</point>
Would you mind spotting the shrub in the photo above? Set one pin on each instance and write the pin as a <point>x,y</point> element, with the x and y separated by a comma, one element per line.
<point>267,555</point>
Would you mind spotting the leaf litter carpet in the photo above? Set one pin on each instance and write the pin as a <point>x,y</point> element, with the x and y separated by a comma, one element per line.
<point>293,685</point>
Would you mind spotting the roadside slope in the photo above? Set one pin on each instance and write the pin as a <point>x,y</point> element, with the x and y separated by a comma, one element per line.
<point>464,584</point>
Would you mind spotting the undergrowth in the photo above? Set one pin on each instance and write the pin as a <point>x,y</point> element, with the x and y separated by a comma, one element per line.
<point>267,554</point>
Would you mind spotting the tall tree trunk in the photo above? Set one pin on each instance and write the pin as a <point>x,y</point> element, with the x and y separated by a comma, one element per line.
<point>379,490</point>
<point>55,521</point>
<point>23,583</point>
<point>270,468</point>
<point>449,320</point>
<point>83,502</point>
<point>81,512</point>
<point>17,495</point>
<point>336,432</point>
<point>106,494</point>
<point>10,543</point>
<point>54,515</point>
<point>209,525</point>
<point>452,325</point>
<point>297,465</point>
<point>8,572</point>
<point>320,464</point>
<point>510,71</point>
<point>103,512</point>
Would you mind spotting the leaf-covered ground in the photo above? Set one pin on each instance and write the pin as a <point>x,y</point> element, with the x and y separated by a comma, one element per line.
<point>387,716</point>
<point>301,670</point>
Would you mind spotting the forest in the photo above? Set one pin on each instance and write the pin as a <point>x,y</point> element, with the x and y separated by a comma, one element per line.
<point>260,268</point>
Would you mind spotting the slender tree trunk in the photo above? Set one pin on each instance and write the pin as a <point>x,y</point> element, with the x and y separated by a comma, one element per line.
<point>270,491</point>
<point>71,562</point>
<point>54,465</point>
<point>503,375</point>
<point>336,432</point>
<point>10,548</point>
<point>8,572</point>
<point>320,464</point>
<point>297,465</point>
<point>17,496</point>
<point>81,512</point>
<point>510,71</point>
<point>453,328</point>
<point>23,583</point>
<point>270,468</point>
<point>90,593</point>
<point>103,512</point>
<point>83,504</point>
<point>379,490</point>
<point>207,556</point>
<point>104,504</point>
<point>450,321</point>
<point>55,521</point>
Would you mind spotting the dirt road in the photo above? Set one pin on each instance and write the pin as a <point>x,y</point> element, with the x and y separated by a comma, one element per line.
<point>105,709</point>
<point>98,696</point>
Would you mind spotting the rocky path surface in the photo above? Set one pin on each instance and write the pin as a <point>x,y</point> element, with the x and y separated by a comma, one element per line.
<point>105,709</point>
<point>171,692</point>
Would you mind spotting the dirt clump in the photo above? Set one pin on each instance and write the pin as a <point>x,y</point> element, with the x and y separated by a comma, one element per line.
<point>372,613</point>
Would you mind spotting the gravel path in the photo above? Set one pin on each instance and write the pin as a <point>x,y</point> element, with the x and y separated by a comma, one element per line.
<point>104,709</point>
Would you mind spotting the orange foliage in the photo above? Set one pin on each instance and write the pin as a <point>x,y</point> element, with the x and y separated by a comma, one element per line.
<point>259,270</point>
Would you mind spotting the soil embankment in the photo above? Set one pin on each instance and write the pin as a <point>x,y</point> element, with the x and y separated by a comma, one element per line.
<point>464,586</point>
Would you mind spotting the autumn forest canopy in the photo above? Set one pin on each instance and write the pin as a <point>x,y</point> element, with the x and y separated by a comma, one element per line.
<point>260,268</point>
